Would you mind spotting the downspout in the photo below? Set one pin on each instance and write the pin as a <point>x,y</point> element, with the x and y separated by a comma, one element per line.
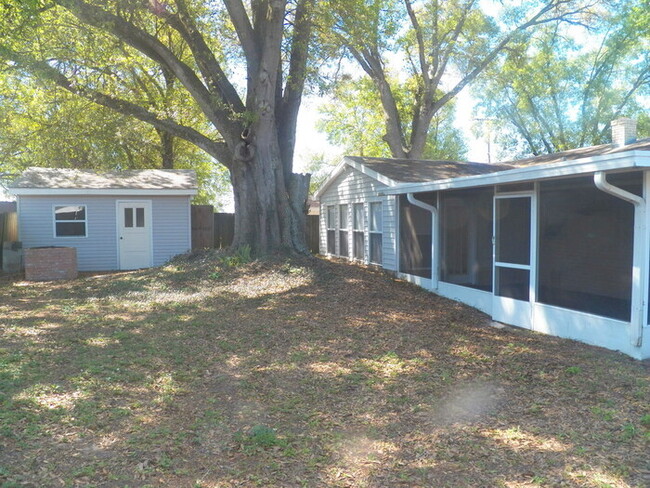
<point>637,318</point>
<point>434,236</point>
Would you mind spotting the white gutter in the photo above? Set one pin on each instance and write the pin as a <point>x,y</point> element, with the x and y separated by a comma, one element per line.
<point>434,235</point>
<point>639,266</point>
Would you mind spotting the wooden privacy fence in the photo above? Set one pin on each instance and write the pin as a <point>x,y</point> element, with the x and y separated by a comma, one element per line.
<point>223,229</point>
<point>202,226</point>
<point>8,230</point>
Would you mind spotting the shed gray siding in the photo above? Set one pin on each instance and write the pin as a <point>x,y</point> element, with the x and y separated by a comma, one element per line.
<point>350,187</point>
<point>172,232</point>
<point>98,250</point>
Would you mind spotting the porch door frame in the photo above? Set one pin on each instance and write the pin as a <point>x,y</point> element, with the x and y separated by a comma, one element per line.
<point>509,310</point>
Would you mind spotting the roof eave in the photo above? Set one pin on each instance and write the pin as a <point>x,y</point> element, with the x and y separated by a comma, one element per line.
<point>102,191</point>
<point>336,172</point>
<point>622,160</point>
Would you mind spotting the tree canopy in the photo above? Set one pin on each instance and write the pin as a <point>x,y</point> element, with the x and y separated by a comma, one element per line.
<point>442,46</point>
<point>354,120</point>
<point>552,93</point>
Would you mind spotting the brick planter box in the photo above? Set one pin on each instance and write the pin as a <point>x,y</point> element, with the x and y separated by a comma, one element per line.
<point>50,263</point>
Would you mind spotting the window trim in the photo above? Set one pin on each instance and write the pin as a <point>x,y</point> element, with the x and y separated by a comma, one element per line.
<point>55,221</point>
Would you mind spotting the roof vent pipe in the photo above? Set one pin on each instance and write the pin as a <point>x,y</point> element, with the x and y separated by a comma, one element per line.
<point>623,131</point>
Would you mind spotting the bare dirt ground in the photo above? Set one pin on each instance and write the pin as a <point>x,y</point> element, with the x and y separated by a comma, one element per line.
<point>214,372</point>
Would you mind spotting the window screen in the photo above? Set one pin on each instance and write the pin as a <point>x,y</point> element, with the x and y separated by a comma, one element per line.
<point>128,217</point>
<point>585,246</point>
<point>466,237</point>
<point>375,232</point>
<point>331,229</point>
<point>358,238</point>
<point>343,232</point>
<point>70,221</point>
<point>139,217</point>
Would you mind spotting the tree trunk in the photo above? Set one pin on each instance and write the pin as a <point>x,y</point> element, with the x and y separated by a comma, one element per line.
<point>166,149</point>
<point>268,215</point>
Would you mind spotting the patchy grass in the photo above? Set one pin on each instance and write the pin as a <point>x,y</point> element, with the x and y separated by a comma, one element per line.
<point>215,371</point>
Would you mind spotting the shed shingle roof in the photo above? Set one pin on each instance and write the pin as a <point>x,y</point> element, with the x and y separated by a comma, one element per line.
<point>83,179</point>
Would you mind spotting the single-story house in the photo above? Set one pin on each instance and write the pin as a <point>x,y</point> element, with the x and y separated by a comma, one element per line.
<point>116,220</point>
<point>557,244</point>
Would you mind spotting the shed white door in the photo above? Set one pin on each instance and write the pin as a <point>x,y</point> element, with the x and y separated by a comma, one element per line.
<point>134,234</point>
<point>514,253</point>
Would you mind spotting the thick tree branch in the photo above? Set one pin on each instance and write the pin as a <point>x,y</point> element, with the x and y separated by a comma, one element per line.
<point>537,19</point>
<point>287,111</point>
<point>214,76</point>
<point>158,52</point>
<point>424,66</point>
<point>244,30</point>
<point>48,73</point>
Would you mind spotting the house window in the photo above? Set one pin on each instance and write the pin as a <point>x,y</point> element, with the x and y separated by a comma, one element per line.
<point>375,229</point>
<point>466,237</point>
<point>358,239</point>
<point>331,229</point>
<point>343,231</point>
<point>586,246</point>
<point>70,221</point>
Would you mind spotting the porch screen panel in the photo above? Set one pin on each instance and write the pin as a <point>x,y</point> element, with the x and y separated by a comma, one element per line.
<point>466,237</point>
<point>415,236</point>
<point>585,246</point>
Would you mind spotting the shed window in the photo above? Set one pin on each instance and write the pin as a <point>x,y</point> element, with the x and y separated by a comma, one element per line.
<point>70,221</point>
<point>359,243</point>
<point>331,229</point>
<point>343,231</point>
<point>375,229</point>
<point>585,246</point>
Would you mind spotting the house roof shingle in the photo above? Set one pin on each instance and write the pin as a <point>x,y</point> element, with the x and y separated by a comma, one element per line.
<point>420,171</point>
<point>83,179</point>
<point>416,171</point>
<point>581,152</point>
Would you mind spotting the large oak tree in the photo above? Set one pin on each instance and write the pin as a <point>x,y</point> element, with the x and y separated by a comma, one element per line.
<point>243,66</point>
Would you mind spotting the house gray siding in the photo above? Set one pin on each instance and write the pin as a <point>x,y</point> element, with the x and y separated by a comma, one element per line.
<point>98,250</point>
<point>350,187</point>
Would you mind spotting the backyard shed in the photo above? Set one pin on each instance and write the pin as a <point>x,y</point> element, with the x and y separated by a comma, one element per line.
<point>558,243</point>
<point>116,220</point>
